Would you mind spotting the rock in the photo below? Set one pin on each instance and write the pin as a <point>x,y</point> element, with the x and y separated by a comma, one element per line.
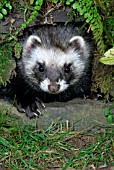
<point>79,113</point>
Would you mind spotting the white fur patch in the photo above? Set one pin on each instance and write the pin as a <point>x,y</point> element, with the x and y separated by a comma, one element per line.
<point>29,42</point>
<point>80,39</point>
<point>31,39</point>
<point>44,85</point>
<point>52,56</point>
<point>63,85</point>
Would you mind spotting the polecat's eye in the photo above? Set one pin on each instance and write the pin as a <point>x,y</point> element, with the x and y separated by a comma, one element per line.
<point>41,68</point>
<point>67,69</point>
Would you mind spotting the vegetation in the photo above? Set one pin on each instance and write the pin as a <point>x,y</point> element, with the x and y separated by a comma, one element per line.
<point>25,147</point>
<point>109,114</point>
<point>109,57</point>
<point>4,7</point>
<point>6,62</point>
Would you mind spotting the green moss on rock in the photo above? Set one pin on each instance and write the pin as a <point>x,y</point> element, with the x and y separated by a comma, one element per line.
<point>7,60</point>
<point>103,78</point>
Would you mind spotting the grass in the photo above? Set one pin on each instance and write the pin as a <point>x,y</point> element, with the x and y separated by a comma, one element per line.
<point>25,147</point>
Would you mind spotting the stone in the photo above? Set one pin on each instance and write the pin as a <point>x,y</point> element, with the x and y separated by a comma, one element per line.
<point>80,114</point>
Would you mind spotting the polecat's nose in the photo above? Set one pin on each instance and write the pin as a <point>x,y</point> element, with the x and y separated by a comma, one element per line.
<point>54,87</point>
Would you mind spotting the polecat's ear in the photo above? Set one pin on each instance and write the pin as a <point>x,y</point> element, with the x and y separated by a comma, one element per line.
<point>31,43</point>
<point>77,42</point>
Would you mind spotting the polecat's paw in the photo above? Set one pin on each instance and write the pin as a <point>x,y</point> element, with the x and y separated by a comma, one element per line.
<point>32,109</point>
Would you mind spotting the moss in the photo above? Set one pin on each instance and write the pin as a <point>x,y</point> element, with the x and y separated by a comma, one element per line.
<point>7,62</point>
<point>103,78</point>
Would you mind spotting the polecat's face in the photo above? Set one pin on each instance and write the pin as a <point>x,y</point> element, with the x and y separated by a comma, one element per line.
<point>53,78</point>
<point>53,70</point>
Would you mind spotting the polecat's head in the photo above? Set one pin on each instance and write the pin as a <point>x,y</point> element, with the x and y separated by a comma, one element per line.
<point>54,69</point>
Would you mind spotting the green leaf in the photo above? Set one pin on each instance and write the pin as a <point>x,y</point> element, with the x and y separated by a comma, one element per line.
<point>109,53</point>
<point>35,13</point>
<point>95,14</point>
<point>82,12</point>
<point>37,8</point>
<point>36,3</point>
<point>83,3</point>
<point>39,2</point>
<point>68,2</point>
<point>91,3</point>
<point>23,26</point>
<point>31,2</point>
<point>86,15</point>
<point>62,1</point>
<point>1,5</point>
<point>4,11</point>
<point>1,16</point>
<point>89,19</point>
<point>109,57</point>
<point>107,111</point>
<point>55,1</point>
<point>8,6</point>
<point>76,5</point>
<point>110,119</point>
<point>92,28</point>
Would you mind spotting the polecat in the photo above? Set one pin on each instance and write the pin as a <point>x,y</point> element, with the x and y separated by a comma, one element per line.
<point>54,66</point>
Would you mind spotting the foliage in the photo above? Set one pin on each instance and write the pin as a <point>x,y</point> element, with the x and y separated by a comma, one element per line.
<point>109,57</point>
<point>25,147</point>
<point>36,4</point>
<point>99,15</point>
<point>36,8</point>
<point>4,7</point>
<point>90,12</point>
<point>108,13</point>
<point>110,29</point>
<point>109,115</point>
